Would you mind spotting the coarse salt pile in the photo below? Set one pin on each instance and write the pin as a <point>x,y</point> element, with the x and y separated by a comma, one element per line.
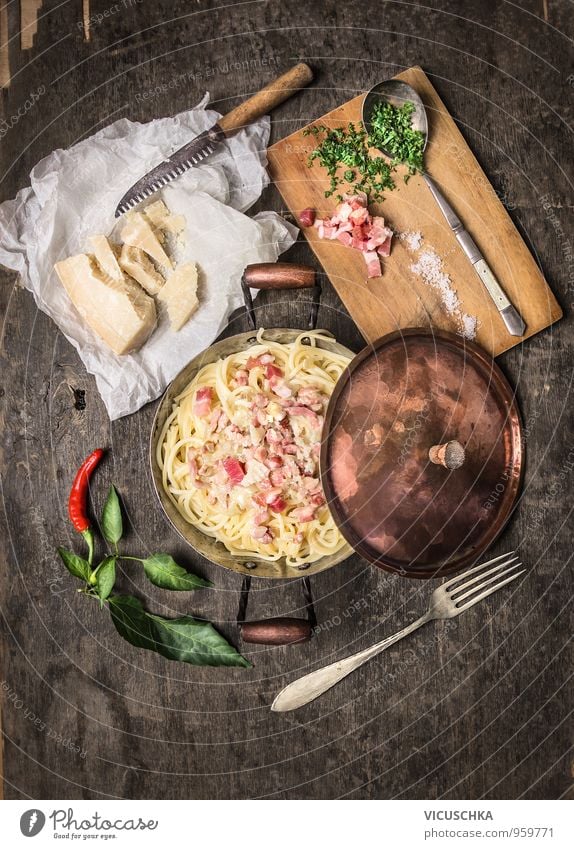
<point>413,239</point>
<point>430,269</point>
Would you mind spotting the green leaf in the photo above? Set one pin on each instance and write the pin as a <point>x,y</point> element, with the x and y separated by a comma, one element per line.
<point>105,577</point>
<point>112,525</point>
<point>79,567</point>
<point>163,571</point>
<point>131,621</point>
<point>189,640</point>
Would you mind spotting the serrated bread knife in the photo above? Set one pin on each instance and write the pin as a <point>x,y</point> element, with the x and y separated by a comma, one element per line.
<point>205,143</point>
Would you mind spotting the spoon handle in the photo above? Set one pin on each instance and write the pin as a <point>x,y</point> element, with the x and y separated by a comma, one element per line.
<point>513,321</point>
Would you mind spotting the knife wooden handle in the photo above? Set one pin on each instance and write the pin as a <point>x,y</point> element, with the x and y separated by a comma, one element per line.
<point>279,275</point>
<point>266,99</point>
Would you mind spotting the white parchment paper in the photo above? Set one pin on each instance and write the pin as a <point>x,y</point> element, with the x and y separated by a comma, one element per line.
<point>73,195</point>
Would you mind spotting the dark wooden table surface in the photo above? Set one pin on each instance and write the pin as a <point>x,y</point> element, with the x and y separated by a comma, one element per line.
<point>477,708</point>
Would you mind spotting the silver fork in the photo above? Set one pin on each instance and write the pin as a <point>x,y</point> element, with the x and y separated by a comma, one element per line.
<point>450,599</point>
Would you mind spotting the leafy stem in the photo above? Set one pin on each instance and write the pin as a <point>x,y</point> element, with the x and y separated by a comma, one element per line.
<point>186,639</point>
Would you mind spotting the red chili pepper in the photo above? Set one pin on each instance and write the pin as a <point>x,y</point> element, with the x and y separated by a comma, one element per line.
<point>77,501</point>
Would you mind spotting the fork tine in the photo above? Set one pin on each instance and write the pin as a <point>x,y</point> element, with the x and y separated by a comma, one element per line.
<point>475,569</point>
<point>478,577</point>
<point>491,590</point>
<point>493,579</point>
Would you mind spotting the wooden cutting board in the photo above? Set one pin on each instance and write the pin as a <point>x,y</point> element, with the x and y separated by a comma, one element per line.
<point>401,298</point>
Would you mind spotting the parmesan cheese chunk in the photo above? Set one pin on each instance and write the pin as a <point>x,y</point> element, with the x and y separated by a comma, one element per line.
<point>106,257</point>
<point>119,311</point>
<point>160,217</point>
<point>136,263</point>
<point>139,234</point>
<point>179,295</point>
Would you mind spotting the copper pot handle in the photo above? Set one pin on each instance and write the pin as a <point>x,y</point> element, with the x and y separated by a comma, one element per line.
<point>280,275</point>
<point>281,631</point>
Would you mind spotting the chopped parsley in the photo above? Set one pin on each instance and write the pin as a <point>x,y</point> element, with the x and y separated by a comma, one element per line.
<point>392,131</point>
<point>345,151</point>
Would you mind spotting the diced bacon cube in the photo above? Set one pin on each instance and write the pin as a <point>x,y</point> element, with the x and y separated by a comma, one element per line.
<point>303,514</point>
<point>241,377</point>
<point>281,389</point>
<point>307,217</point>
<point>260,517</point>
<point>384,249</point>
<point>272,371</point>
<point>345,238</point>
<point>359,216</point>
<point>235,470</point>
<point>277,505</point>
<point>202,401</point>
<point>373,264</point>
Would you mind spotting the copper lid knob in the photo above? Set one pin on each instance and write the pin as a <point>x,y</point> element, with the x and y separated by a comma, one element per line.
<point>451,454</point>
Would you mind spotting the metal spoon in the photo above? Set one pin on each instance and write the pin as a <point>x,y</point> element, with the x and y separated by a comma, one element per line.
<point>397,93</point>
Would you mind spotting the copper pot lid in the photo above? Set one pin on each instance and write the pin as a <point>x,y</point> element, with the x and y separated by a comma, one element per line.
<point>410,393</point>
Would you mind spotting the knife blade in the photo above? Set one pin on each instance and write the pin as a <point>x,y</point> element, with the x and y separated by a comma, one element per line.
<point>199,148</point>
<point>509,314</point>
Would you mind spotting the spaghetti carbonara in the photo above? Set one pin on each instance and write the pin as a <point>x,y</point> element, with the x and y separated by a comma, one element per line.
<point>239,452</point>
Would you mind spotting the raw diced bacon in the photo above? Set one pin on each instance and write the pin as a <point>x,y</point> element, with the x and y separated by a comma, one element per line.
<point>234,469</point>
<point>354,227</point>
<point>359,216</point>
<point>307,217</point>
<point>345,238</point>
<point>384,249</point>
<point>202,402</point>
<point>373,264</point>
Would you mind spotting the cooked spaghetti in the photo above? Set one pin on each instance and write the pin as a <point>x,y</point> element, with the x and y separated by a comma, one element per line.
<point>239,452</point>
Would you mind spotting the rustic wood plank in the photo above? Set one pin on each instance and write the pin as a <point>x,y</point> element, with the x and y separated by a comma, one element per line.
<point>29,22</point>
<point>5,74</point>
<point>401,298</point>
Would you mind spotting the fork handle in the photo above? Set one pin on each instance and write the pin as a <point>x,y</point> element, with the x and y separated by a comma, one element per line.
<point>309,687</point>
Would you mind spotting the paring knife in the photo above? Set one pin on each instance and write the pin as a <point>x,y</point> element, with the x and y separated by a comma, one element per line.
<point>509,314</point>
<point>200,147</point>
